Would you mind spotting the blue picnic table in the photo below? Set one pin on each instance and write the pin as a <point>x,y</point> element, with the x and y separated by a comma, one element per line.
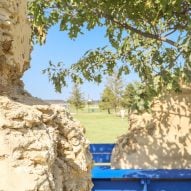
<point>107,179</point>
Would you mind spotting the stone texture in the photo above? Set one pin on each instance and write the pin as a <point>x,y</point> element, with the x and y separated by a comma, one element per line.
<point>42,148</point>
<point>160,139</point>
<point>15,43</point>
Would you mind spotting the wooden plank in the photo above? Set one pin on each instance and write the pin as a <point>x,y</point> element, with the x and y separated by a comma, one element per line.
<point>105,172</point>
<point>107,179</point>
<point>136,185</point>
<point>101,148</point>
<point>109,185</point>
<point>102,158</point>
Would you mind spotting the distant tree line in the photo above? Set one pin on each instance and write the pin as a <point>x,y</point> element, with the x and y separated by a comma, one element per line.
<point>132,97</point>
<point>76,98</point>
<point>116,95</point>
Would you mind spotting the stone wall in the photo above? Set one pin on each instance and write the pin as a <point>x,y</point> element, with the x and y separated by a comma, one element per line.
<point>42,148</point>
<point>160,139</point>
<point>15,43</point>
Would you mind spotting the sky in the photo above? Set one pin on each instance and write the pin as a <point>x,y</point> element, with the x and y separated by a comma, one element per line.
<point>59,47</point>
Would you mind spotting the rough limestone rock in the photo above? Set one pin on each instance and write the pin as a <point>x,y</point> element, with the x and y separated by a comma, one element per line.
<point>15,43</point>
<point>160,139</point>
<point>42,148</point>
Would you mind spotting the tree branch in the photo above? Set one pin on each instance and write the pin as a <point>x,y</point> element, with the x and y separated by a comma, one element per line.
<point>129,27</point>
<point>170,32</point>
<point>146,34</point>
<point>168,66</point>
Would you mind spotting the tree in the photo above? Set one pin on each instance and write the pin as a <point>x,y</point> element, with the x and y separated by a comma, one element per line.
<point>128,97</point>
<point>76,99</point>
<point>107,100</point>
<point>152,37</point>
<point>115,84</point>
<point>137,97</point>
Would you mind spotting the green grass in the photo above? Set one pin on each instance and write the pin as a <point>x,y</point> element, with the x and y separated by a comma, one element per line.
<point>101,127</point>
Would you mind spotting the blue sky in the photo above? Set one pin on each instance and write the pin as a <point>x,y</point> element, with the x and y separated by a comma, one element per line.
<point>59,47</point>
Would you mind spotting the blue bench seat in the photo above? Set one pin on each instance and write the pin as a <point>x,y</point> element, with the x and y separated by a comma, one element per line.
<point>107,179</point>
<point>105,172</point>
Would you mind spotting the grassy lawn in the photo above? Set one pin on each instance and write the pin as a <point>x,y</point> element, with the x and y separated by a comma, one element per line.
<point>101,127</point>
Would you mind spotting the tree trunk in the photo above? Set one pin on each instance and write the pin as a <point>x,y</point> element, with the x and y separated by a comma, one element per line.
<point>41,146</point>
<point>115,108</point>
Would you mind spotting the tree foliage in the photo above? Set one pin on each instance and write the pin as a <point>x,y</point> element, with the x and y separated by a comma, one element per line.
<point>107,101</point>
<point>115,84</point>
<point>137,97</point>
<point>151,36</point>
<point>76,99</point>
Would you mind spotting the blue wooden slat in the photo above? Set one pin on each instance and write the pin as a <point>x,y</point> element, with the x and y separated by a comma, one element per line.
<point>135,185</point>
<point>170,185</point>
<point>109,185</point>
<point>107,179</point>
<point>101,148</point>
<point>105,172</point>
<point>102,158</point>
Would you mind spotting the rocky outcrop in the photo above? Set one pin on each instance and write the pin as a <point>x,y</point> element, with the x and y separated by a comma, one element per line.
<point>15,43</point>
<point>160,139</point>
<point>42,148</point>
